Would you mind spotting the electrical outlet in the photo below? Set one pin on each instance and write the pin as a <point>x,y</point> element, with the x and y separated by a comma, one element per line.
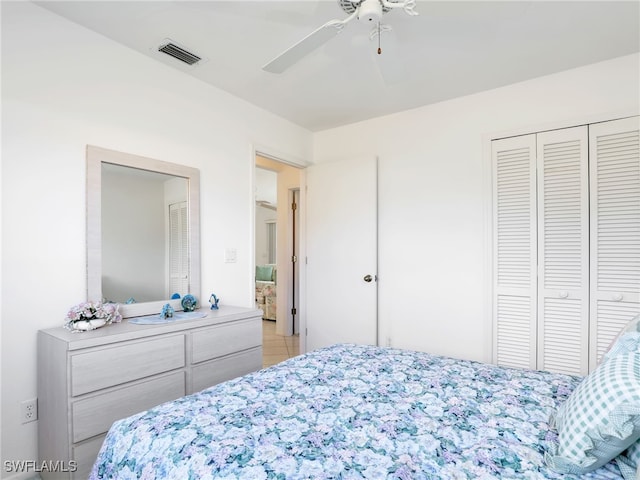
<point>29,410</point>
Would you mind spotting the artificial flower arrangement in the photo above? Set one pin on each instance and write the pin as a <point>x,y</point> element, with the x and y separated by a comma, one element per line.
<point>91,315</point>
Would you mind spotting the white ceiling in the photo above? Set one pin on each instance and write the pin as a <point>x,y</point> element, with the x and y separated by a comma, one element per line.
<point>452,48</point>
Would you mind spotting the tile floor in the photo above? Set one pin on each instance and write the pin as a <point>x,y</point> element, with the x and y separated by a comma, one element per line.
<point>276,348</point>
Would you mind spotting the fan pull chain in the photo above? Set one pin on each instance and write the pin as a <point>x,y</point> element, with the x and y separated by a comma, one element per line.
<point>379,49</point>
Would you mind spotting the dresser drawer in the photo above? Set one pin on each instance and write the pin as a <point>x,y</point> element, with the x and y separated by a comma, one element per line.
<point>85,455</point>
<point>123,363</point>
<point>94,415</point>
<point>221,340</point>
<point>213,372</point>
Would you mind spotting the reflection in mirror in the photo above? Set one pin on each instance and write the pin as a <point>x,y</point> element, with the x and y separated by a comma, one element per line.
<point>142,231</point>
<point>145,240</point>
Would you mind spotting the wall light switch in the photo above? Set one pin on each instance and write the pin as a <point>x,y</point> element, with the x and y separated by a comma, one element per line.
<point>230,255</point>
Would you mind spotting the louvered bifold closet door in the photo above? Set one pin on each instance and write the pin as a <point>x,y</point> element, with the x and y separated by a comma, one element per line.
<point>563,250</point>
<point>178,248</point>
<point>514,251</point>
<point>615,229</point>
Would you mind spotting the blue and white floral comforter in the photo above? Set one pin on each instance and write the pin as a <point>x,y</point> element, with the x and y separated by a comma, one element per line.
<point>350,412</point>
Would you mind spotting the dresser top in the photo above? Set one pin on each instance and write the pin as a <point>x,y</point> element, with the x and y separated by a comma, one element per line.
<point>125,330</point>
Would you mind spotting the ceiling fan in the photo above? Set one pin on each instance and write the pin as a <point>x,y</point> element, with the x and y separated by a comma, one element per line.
<point>365,11</point>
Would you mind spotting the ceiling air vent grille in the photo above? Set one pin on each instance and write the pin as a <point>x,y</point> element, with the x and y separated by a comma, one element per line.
<point>179,53</point>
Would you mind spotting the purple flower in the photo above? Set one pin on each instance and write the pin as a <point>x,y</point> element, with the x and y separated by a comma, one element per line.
<point>92,310</point>
<point>404,473</point>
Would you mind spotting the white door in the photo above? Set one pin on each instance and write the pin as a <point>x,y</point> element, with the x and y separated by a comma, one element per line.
<point>563,250</point>
<point>178,249</point>
<point>615,230</point>
<point>341,253</point>
<point>514,251</point>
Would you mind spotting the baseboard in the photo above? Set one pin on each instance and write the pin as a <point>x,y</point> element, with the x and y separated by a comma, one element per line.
<point>23,476</point>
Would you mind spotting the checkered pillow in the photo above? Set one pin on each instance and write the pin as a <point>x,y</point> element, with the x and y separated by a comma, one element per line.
<point>632,327</point>
<point>627,342</point>
<point>629,462</point>
<point>601,418</point>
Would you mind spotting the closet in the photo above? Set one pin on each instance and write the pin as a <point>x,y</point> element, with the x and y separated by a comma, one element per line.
<point>566,244</point>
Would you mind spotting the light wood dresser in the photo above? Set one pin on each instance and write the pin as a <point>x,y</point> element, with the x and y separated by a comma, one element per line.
<point>88,380</point>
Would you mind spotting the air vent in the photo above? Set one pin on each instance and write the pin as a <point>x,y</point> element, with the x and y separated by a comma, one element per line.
<point>179,53</point>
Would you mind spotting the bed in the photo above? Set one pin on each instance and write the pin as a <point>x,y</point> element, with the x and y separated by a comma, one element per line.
<point>353,411</point>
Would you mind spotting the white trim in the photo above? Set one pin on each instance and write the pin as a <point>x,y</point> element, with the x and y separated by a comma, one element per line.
<point>95,157</point>
<point>24,475</point>
<point>286,159</point>
<point>560,124</point>
<point>288,328</point>
<point>278,156</point>
<point>302,257</point>
<point>487,248</point>
<point>251,274</point>
<point>379,335</point>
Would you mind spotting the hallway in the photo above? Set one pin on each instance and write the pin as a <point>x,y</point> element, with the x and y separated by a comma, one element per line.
<point>277,348</point>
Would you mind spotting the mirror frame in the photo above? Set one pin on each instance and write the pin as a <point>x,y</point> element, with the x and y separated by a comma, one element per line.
<point>96,156</point>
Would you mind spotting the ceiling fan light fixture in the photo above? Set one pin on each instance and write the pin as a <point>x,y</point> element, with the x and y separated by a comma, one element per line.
<point>370,11</point>
<point>366,11</point>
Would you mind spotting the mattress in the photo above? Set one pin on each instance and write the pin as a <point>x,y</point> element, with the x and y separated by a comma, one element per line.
<point>351,412</point>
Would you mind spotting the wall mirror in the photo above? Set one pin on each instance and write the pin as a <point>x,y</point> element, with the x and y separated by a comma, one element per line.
<point>143,231</point>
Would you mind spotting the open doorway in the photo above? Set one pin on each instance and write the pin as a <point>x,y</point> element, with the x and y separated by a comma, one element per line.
<point>276,243</point>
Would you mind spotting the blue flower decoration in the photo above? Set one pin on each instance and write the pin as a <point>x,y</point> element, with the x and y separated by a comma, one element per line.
<point>167,311</point>
<point>189,303</point>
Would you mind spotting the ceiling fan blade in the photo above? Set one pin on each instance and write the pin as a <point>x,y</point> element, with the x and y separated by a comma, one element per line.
<point>304,47</point>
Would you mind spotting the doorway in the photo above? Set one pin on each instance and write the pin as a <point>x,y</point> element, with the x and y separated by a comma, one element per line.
<point>277,186</point>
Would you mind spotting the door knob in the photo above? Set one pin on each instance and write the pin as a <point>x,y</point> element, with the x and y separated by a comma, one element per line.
<point>368,278</point>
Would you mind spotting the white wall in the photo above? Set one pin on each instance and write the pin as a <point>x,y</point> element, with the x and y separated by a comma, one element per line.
<point>434,194</point>
<point>64,87</point>
<point>263,215</point>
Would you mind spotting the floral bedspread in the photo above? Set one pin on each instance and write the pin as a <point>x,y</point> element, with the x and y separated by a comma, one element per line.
<point>350,411</point>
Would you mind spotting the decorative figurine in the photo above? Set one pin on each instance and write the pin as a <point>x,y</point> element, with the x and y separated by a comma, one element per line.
<point>130,301</point>
<point>213,300</point>
<point>167,311</point>
<point>189,303</point>
<point>175,296</point>
<point>92,315</point>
